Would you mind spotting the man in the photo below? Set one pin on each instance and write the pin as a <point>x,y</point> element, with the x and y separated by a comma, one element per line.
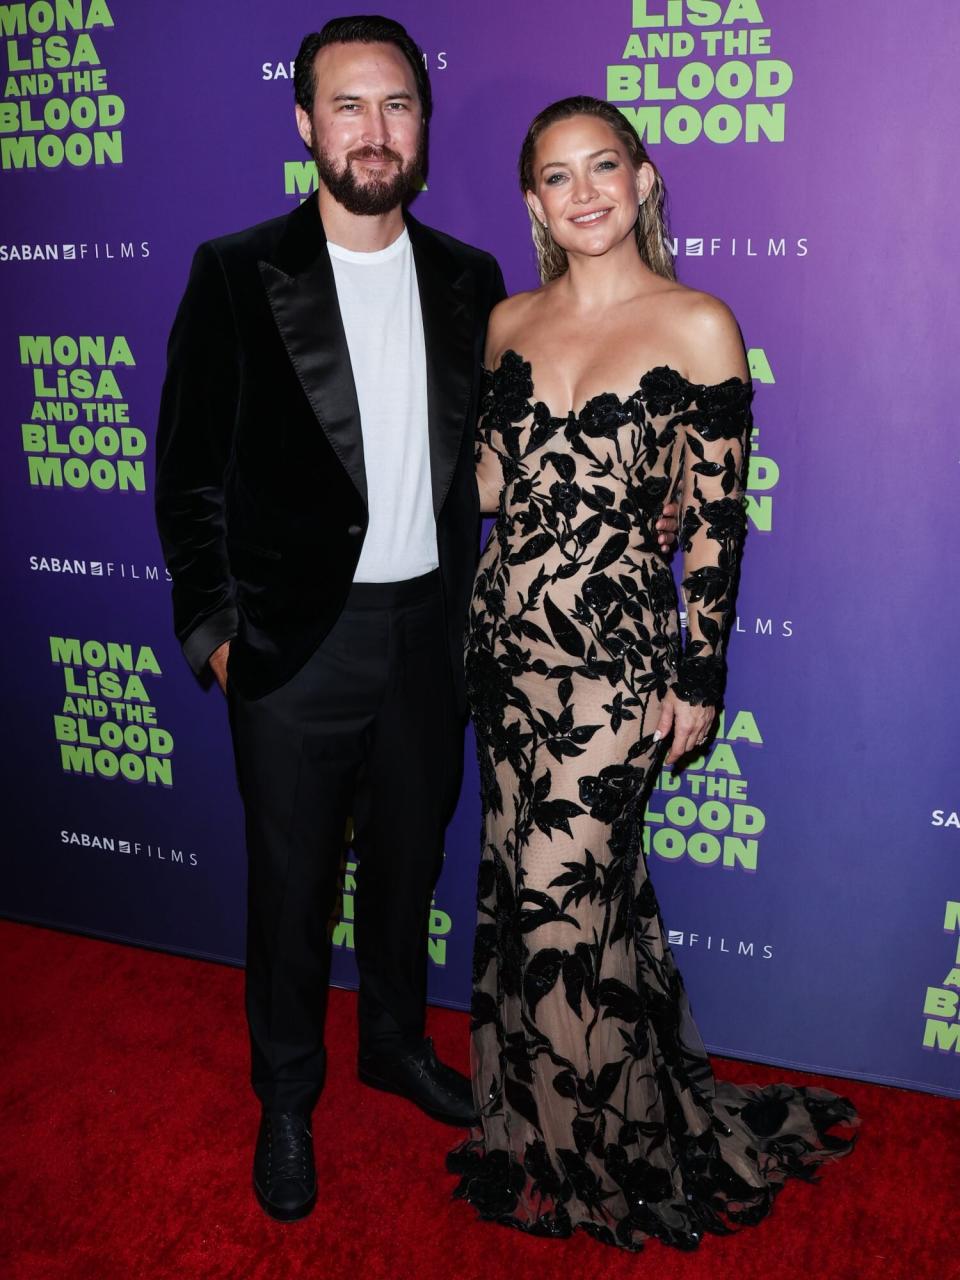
<point>318,509</point>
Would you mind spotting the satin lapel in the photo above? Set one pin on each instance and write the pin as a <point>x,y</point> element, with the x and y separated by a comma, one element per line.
<point>303,299</point>
<point>447,305</point>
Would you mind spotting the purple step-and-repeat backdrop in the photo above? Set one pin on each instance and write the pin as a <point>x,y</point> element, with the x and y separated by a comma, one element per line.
<point>809,866</point>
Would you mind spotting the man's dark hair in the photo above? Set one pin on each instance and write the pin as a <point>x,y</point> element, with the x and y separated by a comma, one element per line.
<point>362,29</point>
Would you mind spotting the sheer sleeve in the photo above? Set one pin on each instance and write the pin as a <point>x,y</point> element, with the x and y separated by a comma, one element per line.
<point>489,470</point>
<point>712,526</point>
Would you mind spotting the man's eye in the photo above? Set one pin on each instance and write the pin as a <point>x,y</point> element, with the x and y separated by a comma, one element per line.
<point>398,106</point>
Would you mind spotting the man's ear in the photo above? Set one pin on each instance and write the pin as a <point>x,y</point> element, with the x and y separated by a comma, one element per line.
<point>304,127</point>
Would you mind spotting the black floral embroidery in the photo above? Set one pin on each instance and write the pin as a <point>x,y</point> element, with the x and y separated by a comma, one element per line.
<point>599,1109</point>
<point>702,677</point>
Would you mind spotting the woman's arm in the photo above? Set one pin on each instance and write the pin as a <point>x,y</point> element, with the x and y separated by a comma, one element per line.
<point>717,435</point>
<point>489,471</point>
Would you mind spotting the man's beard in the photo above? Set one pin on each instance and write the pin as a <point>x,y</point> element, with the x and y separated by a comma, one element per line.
<point>379,194</point>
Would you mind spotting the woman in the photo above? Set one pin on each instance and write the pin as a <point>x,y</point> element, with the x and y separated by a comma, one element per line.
<point>612,388</point>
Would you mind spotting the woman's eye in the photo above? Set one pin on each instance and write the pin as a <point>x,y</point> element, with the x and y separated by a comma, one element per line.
<point>555,179</point>
<point>607,164</point>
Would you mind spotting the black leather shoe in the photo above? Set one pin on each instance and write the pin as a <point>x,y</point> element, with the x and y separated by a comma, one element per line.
<point>419,1076</point>
<point>284,1176</point>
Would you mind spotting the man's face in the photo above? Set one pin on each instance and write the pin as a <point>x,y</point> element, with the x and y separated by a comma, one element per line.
<point>366,129</point>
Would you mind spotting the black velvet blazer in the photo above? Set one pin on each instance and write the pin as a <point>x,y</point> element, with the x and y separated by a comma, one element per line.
<point>261,494</point>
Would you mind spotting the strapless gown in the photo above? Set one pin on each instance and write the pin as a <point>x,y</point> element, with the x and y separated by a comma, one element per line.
<point>599,1108</point>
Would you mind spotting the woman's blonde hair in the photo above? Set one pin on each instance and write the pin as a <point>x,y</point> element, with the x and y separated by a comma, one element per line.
<point>651,225</point>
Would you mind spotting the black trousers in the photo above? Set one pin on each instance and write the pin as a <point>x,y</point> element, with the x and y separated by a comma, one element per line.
<point>367,728</point>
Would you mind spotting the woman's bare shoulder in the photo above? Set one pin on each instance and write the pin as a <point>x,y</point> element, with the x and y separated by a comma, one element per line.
<point>507,322</point>
<point>706,333</point>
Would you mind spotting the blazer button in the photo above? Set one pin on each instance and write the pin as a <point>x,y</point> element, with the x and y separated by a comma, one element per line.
<point>355,530</point>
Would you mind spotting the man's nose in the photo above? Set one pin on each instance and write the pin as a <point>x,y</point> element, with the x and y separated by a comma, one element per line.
<point>377,129</point>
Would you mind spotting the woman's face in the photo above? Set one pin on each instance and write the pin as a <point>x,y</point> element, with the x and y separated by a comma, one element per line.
<point>585,185</point>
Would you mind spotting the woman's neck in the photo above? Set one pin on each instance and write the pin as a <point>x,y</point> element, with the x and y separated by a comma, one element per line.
<point>596,283</point>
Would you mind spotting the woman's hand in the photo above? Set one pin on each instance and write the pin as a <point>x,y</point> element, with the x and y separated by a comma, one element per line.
<point>690,725</point>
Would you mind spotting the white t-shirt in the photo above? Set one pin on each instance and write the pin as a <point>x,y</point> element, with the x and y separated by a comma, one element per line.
<point>380,306</point>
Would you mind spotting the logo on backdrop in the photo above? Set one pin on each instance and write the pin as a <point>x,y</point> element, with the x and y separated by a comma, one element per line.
<point>142,850</point>
<point>703,815</point>
<point>700,68</point>
<point>439,927</point>
<point>56,107</point>
<point>941,1005</point>
<point>718,945</point>
<point>752,246</point>
<point>120,570</point>
<point>107,726</point>
<point>79,432</point>
<point>96,251</point>
<point>945,818</point>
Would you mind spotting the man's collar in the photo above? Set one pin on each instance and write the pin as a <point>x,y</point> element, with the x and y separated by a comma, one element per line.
<point>304,239</point>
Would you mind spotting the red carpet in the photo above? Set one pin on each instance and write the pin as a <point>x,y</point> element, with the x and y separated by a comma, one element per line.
<point>128,1128</point>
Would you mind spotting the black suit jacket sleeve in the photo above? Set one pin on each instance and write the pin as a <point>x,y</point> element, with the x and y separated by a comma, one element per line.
<point>498,290</point>
<point>198,410</point>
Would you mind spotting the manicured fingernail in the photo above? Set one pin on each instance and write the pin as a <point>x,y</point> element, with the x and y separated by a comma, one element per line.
<point>657,736</point>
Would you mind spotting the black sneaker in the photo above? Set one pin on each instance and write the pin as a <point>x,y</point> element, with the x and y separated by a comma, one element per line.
<point>419,1076</point>
<point>284,1175</point>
